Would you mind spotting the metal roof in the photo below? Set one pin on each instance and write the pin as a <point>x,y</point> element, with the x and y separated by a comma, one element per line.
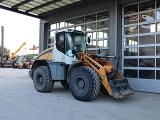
<point>35,8</point>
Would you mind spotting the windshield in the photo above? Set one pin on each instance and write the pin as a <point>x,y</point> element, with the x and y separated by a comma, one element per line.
<point>79,41</point>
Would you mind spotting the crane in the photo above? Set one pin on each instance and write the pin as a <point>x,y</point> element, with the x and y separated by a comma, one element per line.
<point>13,55</point>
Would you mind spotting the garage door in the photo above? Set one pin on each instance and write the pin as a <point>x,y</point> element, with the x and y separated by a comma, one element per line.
<point>141,45</point>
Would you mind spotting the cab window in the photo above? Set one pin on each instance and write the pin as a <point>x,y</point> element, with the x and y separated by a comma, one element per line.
<point>60,42</point>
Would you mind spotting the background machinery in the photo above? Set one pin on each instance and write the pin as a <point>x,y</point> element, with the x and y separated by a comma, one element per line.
<point>84,74</point>
<point>14,54</point>
<point>11,61</point>
<point>21,62</point>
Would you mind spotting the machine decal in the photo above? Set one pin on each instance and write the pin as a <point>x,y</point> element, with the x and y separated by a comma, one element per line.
<point>102,77</point>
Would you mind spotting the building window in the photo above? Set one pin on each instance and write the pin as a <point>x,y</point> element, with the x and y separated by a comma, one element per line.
<point>96,25</point>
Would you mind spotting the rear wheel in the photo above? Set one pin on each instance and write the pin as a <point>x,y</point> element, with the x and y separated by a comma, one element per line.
<point>41,79</point>
<point>84,83</point>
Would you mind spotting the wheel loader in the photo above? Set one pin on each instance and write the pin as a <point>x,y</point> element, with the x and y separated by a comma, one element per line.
<point>82,73</point>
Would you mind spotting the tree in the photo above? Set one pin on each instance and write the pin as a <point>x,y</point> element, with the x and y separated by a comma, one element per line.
<point>6,51</point>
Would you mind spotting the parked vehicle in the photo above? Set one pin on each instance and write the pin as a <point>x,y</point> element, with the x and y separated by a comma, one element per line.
<point>84,74</point>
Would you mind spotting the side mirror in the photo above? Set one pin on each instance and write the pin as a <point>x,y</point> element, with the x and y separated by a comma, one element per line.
<point>88,40</point>
<point>99,51</point>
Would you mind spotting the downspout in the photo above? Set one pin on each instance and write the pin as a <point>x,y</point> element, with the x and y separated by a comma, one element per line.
<point>2,42</point>
<point>116,26</point>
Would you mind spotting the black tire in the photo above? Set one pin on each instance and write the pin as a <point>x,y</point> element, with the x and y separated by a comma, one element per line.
<point>65,84</point>
<point>41,80</point>
<point>103,90</point>
<point>84,83</point>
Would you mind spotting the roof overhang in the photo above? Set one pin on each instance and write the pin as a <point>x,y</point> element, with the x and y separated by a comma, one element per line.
<point>35,8</point>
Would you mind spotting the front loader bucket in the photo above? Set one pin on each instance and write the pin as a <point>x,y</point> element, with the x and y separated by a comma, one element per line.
<point>120,88</point>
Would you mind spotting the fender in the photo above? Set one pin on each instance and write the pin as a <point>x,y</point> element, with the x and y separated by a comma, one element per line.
<point>36,64</point>
<point>73,66</point>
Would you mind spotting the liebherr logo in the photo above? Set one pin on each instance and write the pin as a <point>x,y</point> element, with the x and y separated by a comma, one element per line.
<point>90,61</point>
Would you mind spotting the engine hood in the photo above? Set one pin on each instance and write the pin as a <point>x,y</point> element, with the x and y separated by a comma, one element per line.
<point>46,54</point>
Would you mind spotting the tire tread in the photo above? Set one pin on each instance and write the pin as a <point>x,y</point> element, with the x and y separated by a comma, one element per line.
<point>94,80</point>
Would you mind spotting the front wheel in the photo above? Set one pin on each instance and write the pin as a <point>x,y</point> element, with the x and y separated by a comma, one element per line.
<point>84,83</point>
<point>41,79</point>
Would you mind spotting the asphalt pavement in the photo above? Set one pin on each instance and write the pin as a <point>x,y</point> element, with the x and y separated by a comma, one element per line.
<point>20,101</point>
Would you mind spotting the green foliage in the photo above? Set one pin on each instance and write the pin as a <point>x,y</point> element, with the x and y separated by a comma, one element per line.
<point>31,55</point>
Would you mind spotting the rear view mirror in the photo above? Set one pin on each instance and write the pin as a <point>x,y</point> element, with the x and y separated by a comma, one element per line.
<point>88,40</point>
<point>99,51</point>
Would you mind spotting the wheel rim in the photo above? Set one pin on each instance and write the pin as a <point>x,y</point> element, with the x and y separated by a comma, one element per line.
<point>80,83</point>
<point>39,80</point>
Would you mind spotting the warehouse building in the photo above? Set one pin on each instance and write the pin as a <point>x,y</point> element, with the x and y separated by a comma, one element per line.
<point>128,28</point>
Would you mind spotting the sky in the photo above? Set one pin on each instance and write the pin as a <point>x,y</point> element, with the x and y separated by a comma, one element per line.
<point>18,29</point>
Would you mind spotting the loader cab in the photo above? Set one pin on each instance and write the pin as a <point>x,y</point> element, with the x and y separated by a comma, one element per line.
<point>69,41</point>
